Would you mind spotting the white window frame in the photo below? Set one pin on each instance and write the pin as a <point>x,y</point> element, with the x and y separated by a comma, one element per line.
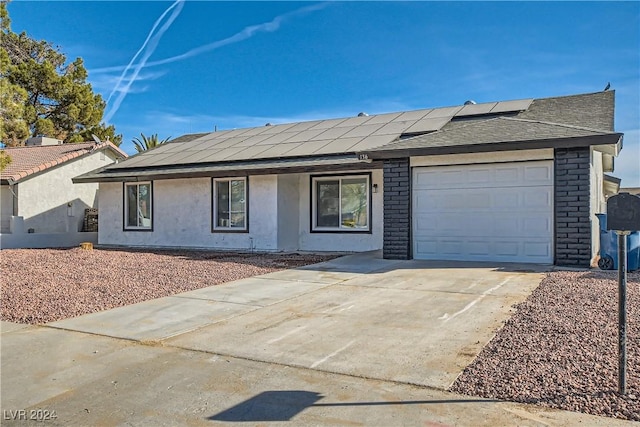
<point>148,227</point>
<point>314,203</point>
<point>214,205</point>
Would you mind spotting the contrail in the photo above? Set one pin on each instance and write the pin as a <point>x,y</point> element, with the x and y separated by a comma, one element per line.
<point>149,49</point>
<point>244,34</point>
<point>130,64</point>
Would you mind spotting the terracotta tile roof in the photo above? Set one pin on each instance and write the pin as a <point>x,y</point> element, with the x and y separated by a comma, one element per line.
<point>26,161</point>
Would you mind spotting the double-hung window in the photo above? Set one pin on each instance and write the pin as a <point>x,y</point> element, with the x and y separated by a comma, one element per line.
<point>341,203</point>
<point>138,206</point>
<point>230,204</point>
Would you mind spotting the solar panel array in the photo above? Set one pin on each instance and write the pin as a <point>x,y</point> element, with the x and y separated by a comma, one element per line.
<point>311,138</point>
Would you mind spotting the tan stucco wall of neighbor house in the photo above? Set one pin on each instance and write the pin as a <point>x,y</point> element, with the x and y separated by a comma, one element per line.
<point>6,208</point>
<point>52,203</point>
<point>279,215</point>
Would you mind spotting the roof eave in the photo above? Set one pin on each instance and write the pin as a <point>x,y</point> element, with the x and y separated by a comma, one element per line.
<point>200,171</point>
<point>603,140</point>
<point>611,149</point>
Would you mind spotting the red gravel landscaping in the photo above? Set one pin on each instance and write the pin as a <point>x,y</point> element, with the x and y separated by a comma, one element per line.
<point>560,348</point>
<point>45,285</point>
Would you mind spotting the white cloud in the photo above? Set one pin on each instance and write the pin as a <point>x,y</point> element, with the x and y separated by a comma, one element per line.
<point>149,46</point>
<point>244,34</point>
<point>104,82</point>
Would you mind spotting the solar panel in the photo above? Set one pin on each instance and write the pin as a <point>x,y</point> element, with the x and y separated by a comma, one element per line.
<point>476,109</point>
<point>393,128</point>
<point>326,124</point>
<point>280,149</point>
<point>354,121</point>
<point>308,148</point>
<point>509,106</point>
<point>382,118</point>
<point>333,133</point>
<point>443,112</point>
<point>372,142</point>
<point>253,140</point>
<point>278,138</point>
<point>340,145</point>
<point>331,136</point>
<point>428,125</point>
<point>412,115</point>
<point>305,135</point>
<point>270,130</point>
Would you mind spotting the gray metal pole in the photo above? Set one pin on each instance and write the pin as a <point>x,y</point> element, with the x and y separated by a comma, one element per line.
<point>622,311</point>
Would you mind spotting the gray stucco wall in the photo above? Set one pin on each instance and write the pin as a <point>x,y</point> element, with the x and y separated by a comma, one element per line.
<point>279,217</point>
<point>572,207</point>
<point>287,212</point>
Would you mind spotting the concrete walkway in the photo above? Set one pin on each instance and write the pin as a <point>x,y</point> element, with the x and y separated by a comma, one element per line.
<point>354,341</point>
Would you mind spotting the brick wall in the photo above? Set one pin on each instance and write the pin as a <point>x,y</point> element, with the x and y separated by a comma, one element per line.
<point>572,196</point>
<point>397,209</point>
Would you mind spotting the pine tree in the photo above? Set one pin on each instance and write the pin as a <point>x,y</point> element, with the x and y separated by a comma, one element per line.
<point>44,94</point>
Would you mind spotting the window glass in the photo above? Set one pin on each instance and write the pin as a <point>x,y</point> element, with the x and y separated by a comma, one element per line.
<point>222,191</point>
<point>237,204</point>
<point>328,201</point>
<point>230,203</point>
<point>355,212</point>
<point>341,203</point>
<point>132,201</point>
<point>138,207</point>
<point>144,205</point>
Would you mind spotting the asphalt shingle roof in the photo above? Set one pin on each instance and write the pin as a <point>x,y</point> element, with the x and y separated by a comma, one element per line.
<point>592,110</point>
<point>492,131</point>
<point>26,161</point>
<point>188,137</point>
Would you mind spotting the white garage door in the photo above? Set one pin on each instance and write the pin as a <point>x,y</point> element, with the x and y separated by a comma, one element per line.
<point>489,212</point>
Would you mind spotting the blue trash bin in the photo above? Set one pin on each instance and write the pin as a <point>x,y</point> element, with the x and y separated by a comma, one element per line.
<point>609,247</point>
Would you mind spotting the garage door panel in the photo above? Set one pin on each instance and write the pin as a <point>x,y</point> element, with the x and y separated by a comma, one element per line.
<point>502,250</point>
<point>539,174</point>
<point>506,175</point>
<point>427,248</point>
<point>542,199</point>
<point>479,247</point>
<point>537,249</point>
<point>507,200</point>
<point>480,176</point>
<point>501,212</point>
<point>537,226</point>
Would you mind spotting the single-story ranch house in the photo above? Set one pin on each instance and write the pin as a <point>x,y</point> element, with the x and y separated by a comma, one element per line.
<point>512,181</point>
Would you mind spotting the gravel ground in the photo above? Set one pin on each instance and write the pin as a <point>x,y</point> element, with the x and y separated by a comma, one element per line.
<point>560,348</point>
<point>45,285</point>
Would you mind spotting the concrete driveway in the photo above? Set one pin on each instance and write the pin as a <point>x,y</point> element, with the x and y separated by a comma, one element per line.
<point>357,340</point>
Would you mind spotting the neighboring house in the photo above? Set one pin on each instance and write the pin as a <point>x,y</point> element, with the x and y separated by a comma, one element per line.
<point>517,181</point>
<point>40,205</point>
<point>611,186</point>
<point>631,190</point>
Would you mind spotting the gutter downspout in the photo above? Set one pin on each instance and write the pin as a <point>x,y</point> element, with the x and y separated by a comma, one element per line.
<point>13,187</point>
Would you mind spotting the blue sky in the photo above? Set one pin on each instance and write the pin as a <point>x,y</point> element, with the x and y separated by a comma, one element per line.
<point>239,64</point>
